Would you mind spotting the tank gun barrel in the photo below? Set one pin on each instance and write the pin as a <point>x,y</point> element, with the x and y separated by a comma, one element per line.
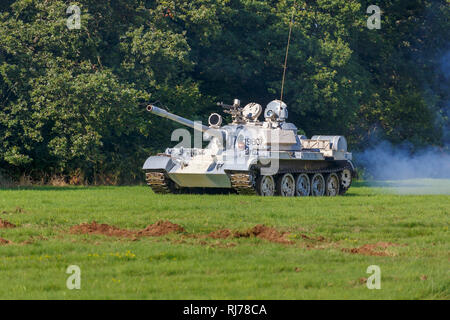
<point>165,114</point>
<point>235,110</point>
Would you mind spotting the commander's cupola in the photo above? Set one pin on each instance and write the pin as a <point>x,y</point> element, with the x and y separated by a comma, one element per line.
<point>275,114</point>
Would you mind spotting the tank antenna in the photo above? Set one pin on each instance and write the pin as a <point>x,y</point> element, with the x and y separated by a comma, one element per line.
<point>287,52</point>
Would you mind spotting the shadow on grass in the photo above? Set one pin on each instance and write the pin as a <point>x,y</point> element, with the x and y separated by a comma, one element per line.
<point>355,184</point>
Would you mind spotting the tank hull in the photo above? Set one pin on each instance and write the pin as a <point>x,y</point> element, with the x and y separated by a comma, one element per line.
<point>200,180</point>
<point>201,175</point>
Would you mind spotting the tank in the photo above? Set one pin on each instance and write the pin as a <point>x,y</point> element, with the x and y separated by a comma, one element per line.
<point>252,156</point>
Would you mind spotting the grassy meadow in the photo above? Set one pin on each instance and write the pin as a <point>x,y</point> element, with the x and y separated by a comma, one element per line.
<point>317,263</point>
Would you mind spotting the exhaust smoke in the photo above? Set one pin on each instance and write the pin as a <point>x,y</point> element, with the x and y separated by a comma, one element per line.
<point>424,172</point>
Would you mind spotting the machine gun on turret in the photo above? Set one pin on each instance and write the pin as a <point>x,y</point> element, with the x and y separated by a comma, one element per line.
<point>235,110</point>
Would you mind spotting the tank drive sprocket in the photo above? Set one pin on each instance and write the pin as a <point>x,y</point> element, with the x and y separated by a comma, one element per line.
<point>159,182</point>
<point>243,182</point>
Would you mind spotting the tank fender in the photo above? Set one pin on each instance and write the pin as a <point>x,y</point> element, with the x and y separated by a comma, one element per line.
<point>240,165</point>
<point>158,162</point>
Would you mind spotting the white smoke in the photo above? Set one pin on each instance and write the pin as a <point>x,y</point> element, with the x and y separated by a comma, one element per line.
<point>425,171</point>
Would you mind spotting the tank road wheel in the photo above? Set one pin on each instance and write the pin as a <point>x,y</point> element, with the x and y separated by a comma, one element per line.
<point>302,185</point>
<point>317,185</point>
<point>332,185</point>
<point>266,186</point>
<point>346,180</point>
<point>286,185</point>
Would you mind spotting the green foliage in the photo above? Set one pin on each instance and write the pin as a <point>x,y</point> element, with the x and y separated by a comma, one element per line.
<point>73,100</point>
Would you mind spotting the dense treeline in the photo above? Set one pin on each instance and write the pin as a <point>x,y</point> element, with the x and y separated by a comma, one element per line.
<point>71,100</point>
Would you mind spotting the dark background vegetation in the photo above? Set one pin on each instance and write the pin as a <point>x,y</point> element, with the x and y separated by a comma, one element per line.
<point>72,101</point>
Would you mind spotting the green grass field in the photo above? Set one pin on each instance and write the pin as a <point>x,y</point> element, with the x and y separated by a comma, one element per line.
<point>191,266</point>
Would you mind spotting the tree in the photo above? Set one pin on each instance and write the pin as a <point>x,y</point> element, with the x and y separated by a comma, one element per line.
<point>72,102</point>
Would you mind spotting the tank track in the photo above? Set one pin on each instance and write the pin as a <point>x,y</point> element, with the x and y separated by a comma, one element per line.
<point>244,182</point>
<point>158,182</point>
